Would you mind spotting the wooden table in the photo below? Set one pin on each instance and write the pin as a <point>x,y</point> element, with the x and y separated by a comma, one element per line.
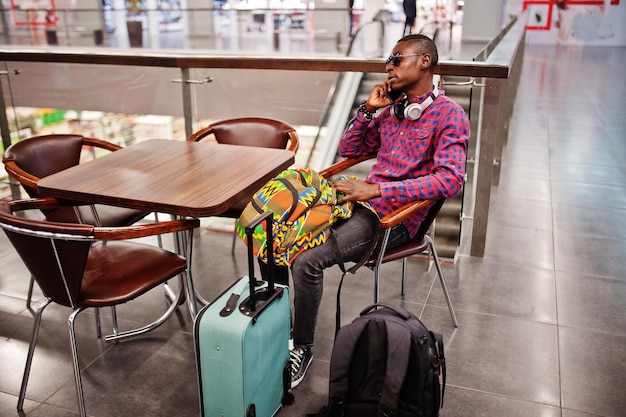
<point>168,176</point>
<point>193,179</point>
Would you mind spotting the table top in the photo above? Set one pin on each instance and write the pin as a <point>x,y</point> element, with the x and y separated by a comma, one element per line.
<point>193,179</point>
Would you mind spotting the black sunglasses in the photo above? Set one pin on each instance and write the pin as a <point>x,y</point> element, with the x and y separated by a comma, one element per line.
<point>395,58</point>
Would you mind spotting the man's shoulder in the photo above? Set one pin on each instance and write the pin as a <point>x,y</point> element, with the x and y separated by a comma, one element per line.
<point>443,101</point>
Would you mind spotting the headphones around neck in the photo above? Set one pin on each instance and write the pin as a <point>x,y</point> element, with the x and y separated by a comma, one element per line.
<point>413,111</point>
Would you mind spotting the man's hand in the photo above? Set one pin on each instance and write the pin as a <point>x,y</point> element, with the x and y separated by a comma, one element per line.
<point>378,98</point>
<point>356,190</point>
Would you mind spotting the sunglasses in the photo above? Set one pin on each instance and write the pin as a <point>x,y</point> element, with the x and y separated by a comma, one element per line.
<point>395,58</point>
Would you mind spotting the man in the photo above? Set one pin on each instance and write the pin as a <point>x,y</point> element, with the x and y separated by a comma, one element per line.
<point>417,159</point>
<point>410,11</point>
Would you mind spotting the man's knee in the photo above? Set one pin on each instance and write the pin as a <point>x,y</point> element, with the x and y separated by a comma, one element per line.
<point>308,264</point>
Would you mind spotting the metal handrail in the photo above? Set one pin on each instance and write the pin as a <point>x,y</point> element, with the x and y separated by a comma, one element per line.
<point>198,59</point>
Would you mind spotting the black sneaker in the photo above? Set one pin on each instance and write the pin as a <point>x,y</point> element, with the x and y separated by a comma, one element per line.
<point>301,358</point>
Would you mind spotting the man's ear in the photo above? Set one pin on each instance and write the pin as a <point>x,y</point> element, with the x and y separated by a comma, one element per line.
<point>425,62</point>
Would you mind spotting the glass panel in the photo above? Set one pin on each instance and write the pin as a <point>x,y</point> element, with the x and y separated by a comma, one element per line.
<point>114,103</point>
<point>295,97</point>
<point>108,88</point>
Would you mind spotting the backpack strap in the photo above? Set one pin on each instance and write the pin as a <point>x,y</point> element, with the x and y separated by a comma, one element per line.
<point>441,369</point>
<point>398,352</point>
<point>294,199</point>
<point>345,343</point>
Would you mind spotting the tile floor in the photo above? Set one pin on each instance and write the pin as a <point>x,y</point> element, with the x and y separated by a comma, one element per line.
<point>542,315</point>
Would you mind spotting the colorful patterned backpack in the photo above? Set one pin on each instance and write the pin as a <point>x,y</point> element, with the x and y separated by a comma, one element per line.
<point>304,206</point>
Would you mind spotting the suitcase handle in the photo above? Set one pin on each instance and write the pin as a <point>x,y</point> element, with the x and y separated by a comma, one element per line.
<point>269,242</point>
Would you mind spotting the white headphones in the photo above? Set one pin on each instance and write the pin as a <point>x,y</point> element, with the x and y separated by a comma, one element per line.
<point>413,111</point>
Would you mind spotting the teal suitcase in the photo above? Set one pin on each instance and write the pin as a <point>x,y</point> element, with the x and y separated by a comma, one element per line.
<point>242,347</point>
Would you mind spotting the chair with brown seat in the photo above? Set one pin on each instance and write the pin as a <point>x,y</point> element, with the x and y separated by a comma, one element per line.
<point>31,159</point>
<point>39,156</point>
<point>249,131</point>
<point>420,243</point>
<point>82,266</point>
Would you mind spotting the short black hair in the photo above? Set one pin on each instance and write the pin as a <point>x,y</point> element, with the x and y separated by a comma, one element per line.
<point>424,45</point>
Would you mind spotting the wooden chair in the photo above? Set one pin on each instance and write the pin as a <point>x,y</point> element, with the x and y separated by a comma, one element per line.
<point>31,159</point>
<point>249,131</point>
<point>82,266</point>
<point>418,244</point>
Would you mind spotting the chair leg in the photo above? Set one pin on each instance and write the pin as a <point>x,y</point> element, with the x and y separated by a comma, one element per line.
<point>29,296</point>
<point>31,351</point>
<point>159,239</point>
<point>114,319</point>
<point>77,377</point>
<point>376,281</point>
<point>379,261</point>
<point>141,330</point>
<point>443,281</point>
<point>404,266</point>
<point>98,327</point>
<point>232,245</point>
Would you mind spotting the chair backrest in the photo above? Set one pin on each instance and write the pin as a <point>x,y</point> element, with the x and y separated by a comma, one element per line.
<point>433,211</point>
<point>54,253</point>
<point>416,244</point>
<point>31,159</point>
<point>41,156</point>
<point>251,131</point>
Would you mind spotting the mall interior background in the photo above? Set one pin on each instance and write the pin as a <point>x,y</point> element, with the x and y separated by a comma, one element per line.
<point>542,313</point>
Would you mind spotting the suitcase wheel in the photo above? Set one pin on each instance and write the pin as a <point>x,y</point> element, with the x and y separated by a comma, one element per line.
<point>288,398</point>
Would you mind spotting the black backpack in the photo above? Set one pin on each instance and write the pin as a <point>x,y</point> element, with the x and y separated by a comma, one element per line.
<point>386,363</point>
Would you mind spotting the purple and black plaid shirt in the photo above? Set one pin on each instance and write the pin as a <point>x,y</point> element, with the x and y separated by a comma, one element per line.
<point>417,160</point>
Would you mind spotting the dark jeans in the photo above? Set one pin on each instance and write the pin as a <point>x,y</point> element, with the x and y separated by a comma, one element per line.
<point>355,237</point>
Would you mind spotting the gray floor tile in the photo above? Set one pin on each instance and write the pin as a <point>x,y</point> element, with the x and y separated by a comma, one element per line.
<point>587,173</point>
<point>580,148</point>
<point>500,289</point>
<point>52,357</point>
<point>537,151</point>
<point>580,130</point>
<point>523,187</point>
<point>521,212</point>
<point>14,277</point>
<point>590,255</point>
<point>502,356</point>
<point>10,307</point>
<point>525,167</point>
<point>152,376</point>
<point>530,126</point>
<point>590,385</point>
<point>468,403</point>
<point>520,246</point>
<point>46,410</point>
<point>601,222</point>
<point>572,413</point>
<point>588,195</point>
<point>591,302</point>
<point>574,153</point>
